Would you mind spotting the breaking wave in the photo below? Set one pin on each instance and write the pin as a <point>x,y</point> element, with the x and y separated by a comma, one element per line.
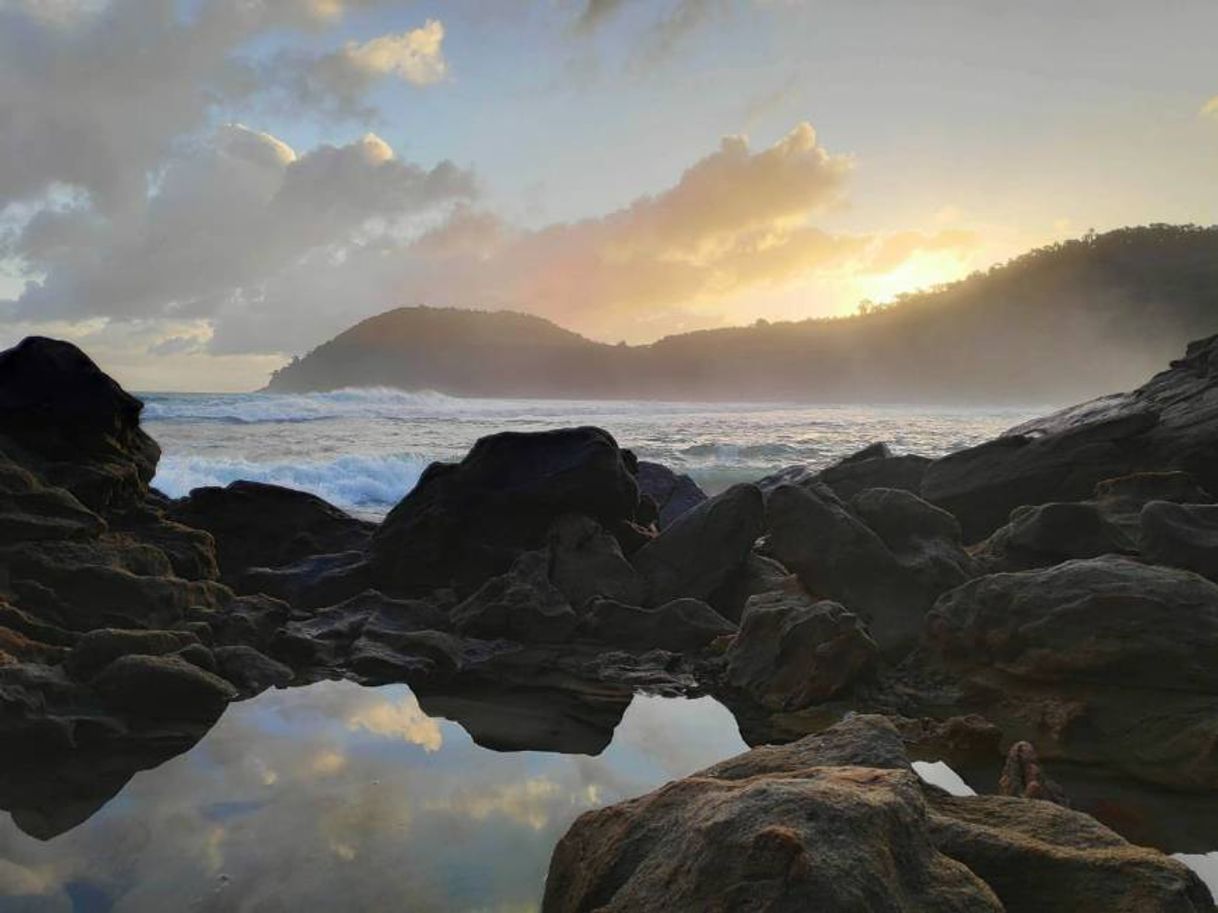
<point>361,482</point>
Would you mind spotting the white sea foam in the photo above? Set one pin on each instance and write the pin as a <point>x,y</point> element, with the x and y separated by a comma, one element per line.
<point>369,482</point>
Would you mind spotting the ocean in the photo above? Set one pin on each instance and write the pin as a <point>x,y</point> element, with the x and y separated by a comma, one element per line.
<point>363,449</point>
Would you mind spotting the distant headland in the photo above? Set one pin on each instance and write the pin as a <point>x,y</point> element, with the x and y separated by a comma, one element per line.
<point>1059,323</point>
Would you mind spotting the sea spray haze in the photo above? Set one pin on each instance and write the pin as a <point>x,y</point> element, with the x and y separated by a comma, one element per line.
<point>363,449</point>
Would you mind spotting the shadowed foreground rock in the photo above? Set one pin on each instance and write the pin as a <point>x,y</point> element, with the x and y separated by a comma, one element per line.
<point>839,822</point>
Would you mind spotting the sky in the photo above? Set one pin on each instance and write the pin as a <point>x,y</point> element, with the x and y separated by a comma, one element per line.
<point>196,190</point>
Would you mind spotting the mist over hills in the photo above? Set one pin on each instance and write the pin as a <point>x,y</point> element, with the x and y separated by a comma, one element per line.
<point>1059,323</point>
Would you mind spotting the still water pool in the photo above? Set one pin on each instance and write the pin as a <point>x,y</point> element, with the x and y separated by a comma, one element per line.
<point>336,797</point>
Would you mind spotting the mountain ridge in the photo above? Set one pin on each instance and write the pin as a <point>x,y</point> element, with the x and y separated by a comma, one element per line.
<point>1061,322</point>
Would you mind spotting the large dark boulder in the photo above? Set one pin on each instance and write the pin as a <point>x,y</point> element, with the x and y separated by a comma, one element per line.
<point>1106,661</point>
<point>703,547</point>
<point>839,821</point>
<point>259,525</point>
<point>793,651</point>
<point>682,625</point>
<point>465,522</point>
<point>1169,423</point>
<point>68,422</point>
<point>674,493</point>
<point>838,556</point>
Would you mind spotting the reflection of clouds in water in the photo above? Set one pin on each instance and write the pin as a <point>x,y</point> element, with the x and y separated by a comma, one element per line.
<point>529,802</point>
<point>403,719</point>
<point>1205,865</point>
<point>328,762</point>
<point>321,797</point>
<point>939,774</point>
<point>21,880</point>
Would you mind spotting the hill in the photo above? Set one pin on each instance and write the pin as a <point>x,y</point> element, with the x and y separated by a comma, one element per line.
<point>1059,323</point>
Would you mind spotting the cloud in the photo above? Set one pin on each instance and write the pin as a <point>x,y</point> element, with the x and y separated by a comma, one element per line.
<point>94,96</point>
<point>229,213</point>
<point>403,720</point>
<point>336,83</point>
<point>1210,108</point>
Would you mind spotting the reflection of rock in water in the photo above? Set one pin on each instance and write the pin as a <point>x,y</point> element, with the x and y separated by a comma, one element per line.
<point>51,791</point>
<point>533,719</point>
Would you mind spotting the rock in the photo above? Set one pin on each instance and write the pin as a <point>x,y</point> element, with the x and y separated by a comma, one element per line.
<point>327,638</point>
<point>765,836</point>
<point>586,561</point>
<point>30,510</point>
<point>682,625</point>
<point>1024,778</point>
<point>520,605</point>
<point>191,552</point>
<point>98,648</point>
<point>1041,858</point>
<point>838,821</point>
<point>313,582</point>
<point>836,555</point>
<point>1169,423</point>
<point>1181,535</point>
<point>112,581</point>
<point>1047,534</point>
<point>260,525</point>
<point>703,547</point>
<point>793,651</point>
<point>466,522</point>
<point>163,687</point>
<point>875,467</point>
<point>758,574</point>
<point>71,425</point>
<point>673,493</point>
<point>249,671</point>
<point>1109,522</point>
<point>924,539</point>
<point>251,620</point>
<point>1104,660</point>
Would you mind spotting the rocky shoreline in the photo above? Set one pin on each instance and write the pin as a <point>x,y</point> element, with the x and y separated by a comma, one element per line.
<point>1046,598</point>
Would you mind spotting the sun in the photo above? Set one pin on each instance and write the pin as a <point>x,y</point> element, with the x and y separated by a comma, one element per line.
<point>921,271</point>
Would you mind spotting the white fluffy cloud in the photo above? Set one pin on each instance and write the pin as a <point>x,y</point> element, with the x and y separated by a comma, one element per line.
<point>95,95</point>
<point>227,216</point>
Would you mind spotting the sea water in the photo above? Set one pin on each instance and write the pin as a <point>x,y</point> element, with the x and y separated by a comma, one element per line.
<point>363,449</point>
